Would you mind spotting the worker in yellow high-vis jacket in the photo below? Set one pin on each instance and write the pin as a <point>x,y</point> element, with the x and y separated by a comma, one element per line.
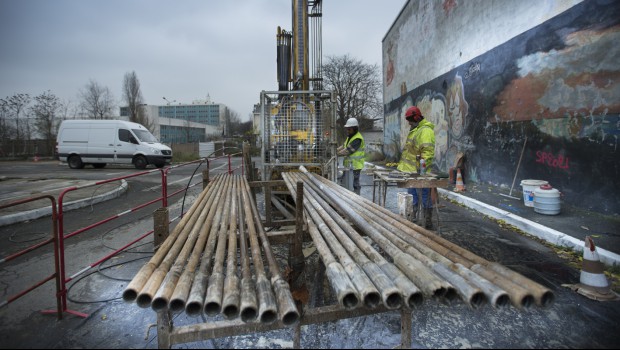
<point>420,145</point>
<point>354,152</point>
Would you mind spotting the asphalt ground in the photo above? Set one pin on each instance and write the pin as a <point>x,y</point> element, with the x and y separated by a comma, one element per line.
<point>572,321</point>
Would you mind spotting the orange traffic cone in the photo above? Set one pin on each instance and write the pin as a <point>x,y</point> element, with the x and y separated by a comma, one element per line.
<point>460,186</point>
<point>592,282</point>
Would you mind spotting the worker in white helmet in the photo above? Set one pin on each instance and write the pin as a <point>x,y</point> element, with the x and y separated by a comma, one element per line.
<point>354,152</point>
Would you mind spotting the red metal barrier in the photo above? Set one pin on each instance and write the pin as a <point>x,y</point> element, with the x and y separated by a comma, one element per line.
<point>58,236</point>
<point>54,240</point>
<point>62,236</point>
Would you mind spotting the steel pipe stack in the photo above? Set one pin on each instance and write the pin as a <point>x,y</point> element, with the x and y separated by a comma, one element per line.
<point>422,261</point>
<point>196,268</point>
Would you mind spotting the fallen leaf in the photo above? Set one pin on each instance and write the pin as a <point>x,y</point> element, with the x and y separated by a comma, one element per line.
<point>585,228</point>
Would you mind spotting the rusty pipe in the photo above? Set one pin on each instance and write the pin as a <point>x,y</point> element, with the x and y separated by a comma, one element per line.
<point>520,296</point>
<point>249,306</point>
<point>140,279</point>
<point>153,283</point>
<point>231,299</point>
<point>423,277</point>
<point>368,292</point>
<point>267,308</point>
<point>286,305</point>
<point>169,284</point>
<point>195,301</point>
<point>181,292</point>
<point>213,299</point>
<point>369,274</point>
<point>410,293</point>
<point>469,292</point>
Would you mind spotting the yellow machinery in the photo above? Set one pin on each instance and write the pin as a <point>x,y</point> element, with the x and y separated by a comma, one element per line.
<point>298,121</point>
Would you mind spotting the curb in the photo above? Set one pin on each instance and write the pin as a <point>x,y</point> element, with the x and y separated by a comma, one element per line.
<point>535,229</point>
<point>46,211</point>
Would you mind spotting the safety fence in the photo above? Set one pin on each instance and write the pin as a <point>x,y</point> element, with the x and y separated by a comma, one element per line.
<point>58,236</point>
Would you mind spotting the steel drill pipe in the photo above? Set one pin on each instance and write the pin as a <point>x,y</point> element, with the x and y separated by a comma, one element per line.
<point>162,297</point>
<point>369,293</point>
<point>359,248</point>
<point>145,296</point>
<point>249,306</point>
<point>267,307</point>
<point>469,292</point>
<point>195,301</point>
<point>213,299</point>
<point>346,294</point>
<point>496,295</point>
<point>422,276</point>
<point>231,299</point>
<point>178,299</point>
<point>369,273</point>
<point>140,279</point>
<point>286,305</point>
<point>520,296</point>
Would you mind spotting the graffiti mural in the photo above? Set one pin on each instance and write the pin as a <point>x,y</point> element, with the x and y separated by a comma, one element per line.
<point>557,84</point>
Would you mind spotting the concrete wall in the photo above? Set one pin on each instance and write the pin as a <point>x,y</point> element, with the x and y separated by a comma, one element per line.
<point>492,74</point>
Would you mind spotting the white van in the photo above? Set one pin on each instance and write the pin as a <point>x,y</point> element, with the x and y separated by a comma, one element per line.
<point>99,142</point>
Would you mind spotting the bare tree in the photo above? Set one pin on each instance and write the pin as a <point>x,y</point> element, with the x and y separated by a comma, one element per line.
<point>46,111</point>
<point>132,96</point>
<point>96,101</point>
<point>358,90</point>
<point>14,107</point>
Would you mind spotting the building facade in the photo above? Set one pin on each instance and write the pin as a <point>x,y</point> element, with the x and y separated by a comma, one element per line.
<point>199,121</point>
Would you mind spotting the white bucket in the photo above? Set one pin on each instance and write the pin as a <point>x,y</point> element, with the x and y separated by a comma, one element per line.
<point>547,200</point>
<point>528,190</point>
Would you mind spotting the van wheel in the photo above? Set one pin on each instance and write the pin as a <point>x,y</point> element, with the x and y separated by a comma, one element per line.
<point>140,162</point>
<point>75,162</point>
<point>99,165</point>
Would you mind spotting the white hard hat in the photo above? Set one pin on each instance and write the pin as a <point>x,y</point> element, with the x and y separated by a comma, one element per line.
<point>351,122</point>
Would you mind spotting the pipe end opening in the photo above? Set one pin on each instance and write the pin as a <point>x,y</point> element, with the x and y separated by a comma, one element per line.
<point>212,308</point>
<point>193,308</point>
<point>268,316</point>
<point>478,300</point>
<point>248,314</point>
<point>415,300</point>
<point>130,295</point>
<point>159,304</point>
<point>393,301</point>
<point>143,301</point>
<point>177,305</point>
<point>350,301</point>
<point>230,311</point>
<point>547,299</point>
<point>527,301</point>
<point>371,300</point>
<point>502,301</point>
<point>290,318</point>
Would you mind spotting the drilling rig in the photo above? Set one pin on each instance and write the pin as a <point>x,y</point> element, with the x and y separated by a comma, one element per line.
<point>298,121</point>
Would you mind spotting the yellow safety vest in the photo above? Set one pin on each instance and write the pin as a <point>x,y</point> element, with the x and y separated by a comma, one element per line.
<point>420,141</point>
<point>358,157</point>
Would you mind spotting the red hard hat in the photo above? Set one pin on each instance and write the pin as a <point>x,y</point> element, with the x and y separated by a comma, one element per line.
<point>413,112</point>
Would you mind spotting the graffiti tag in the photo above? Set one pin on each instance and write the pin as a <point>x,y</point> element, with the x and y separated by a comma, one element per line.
<point>551,160</point>
<point>473,69</point>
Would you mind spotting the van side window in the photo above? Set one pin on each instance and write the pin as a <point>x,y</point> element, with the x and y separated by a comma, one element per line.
<point>126,136</point>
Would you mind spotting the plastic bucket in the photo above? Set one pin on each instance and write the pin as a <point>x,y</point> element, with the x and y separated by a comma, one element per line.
<point>547,200</point>
<point>529,186</point>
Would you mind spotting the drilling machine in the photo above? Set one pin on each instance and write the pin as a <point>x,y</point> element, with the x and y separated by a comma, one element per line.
<point>298,121</point>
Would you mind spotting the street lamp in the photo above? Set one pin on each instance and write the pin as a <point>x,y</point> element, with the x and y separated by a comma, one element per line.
<point>175,110</point>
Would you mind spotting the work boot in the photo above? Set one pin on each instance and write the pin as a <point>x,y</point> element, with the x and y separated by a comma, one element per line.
<point>414,214</point>
<point>428,218</point>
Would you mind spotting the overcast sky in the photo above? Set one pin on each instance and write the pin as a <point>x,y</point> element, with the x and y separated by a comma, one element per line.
<point>182,50</point>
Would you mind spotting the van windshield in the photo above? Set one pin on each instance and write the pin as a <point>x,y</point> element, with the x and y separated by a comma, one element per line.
<point>144,135</point>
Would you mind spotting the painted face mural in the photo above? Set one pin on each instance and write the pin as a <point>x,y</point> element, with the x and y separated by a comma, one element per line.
<point>457,107</point>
